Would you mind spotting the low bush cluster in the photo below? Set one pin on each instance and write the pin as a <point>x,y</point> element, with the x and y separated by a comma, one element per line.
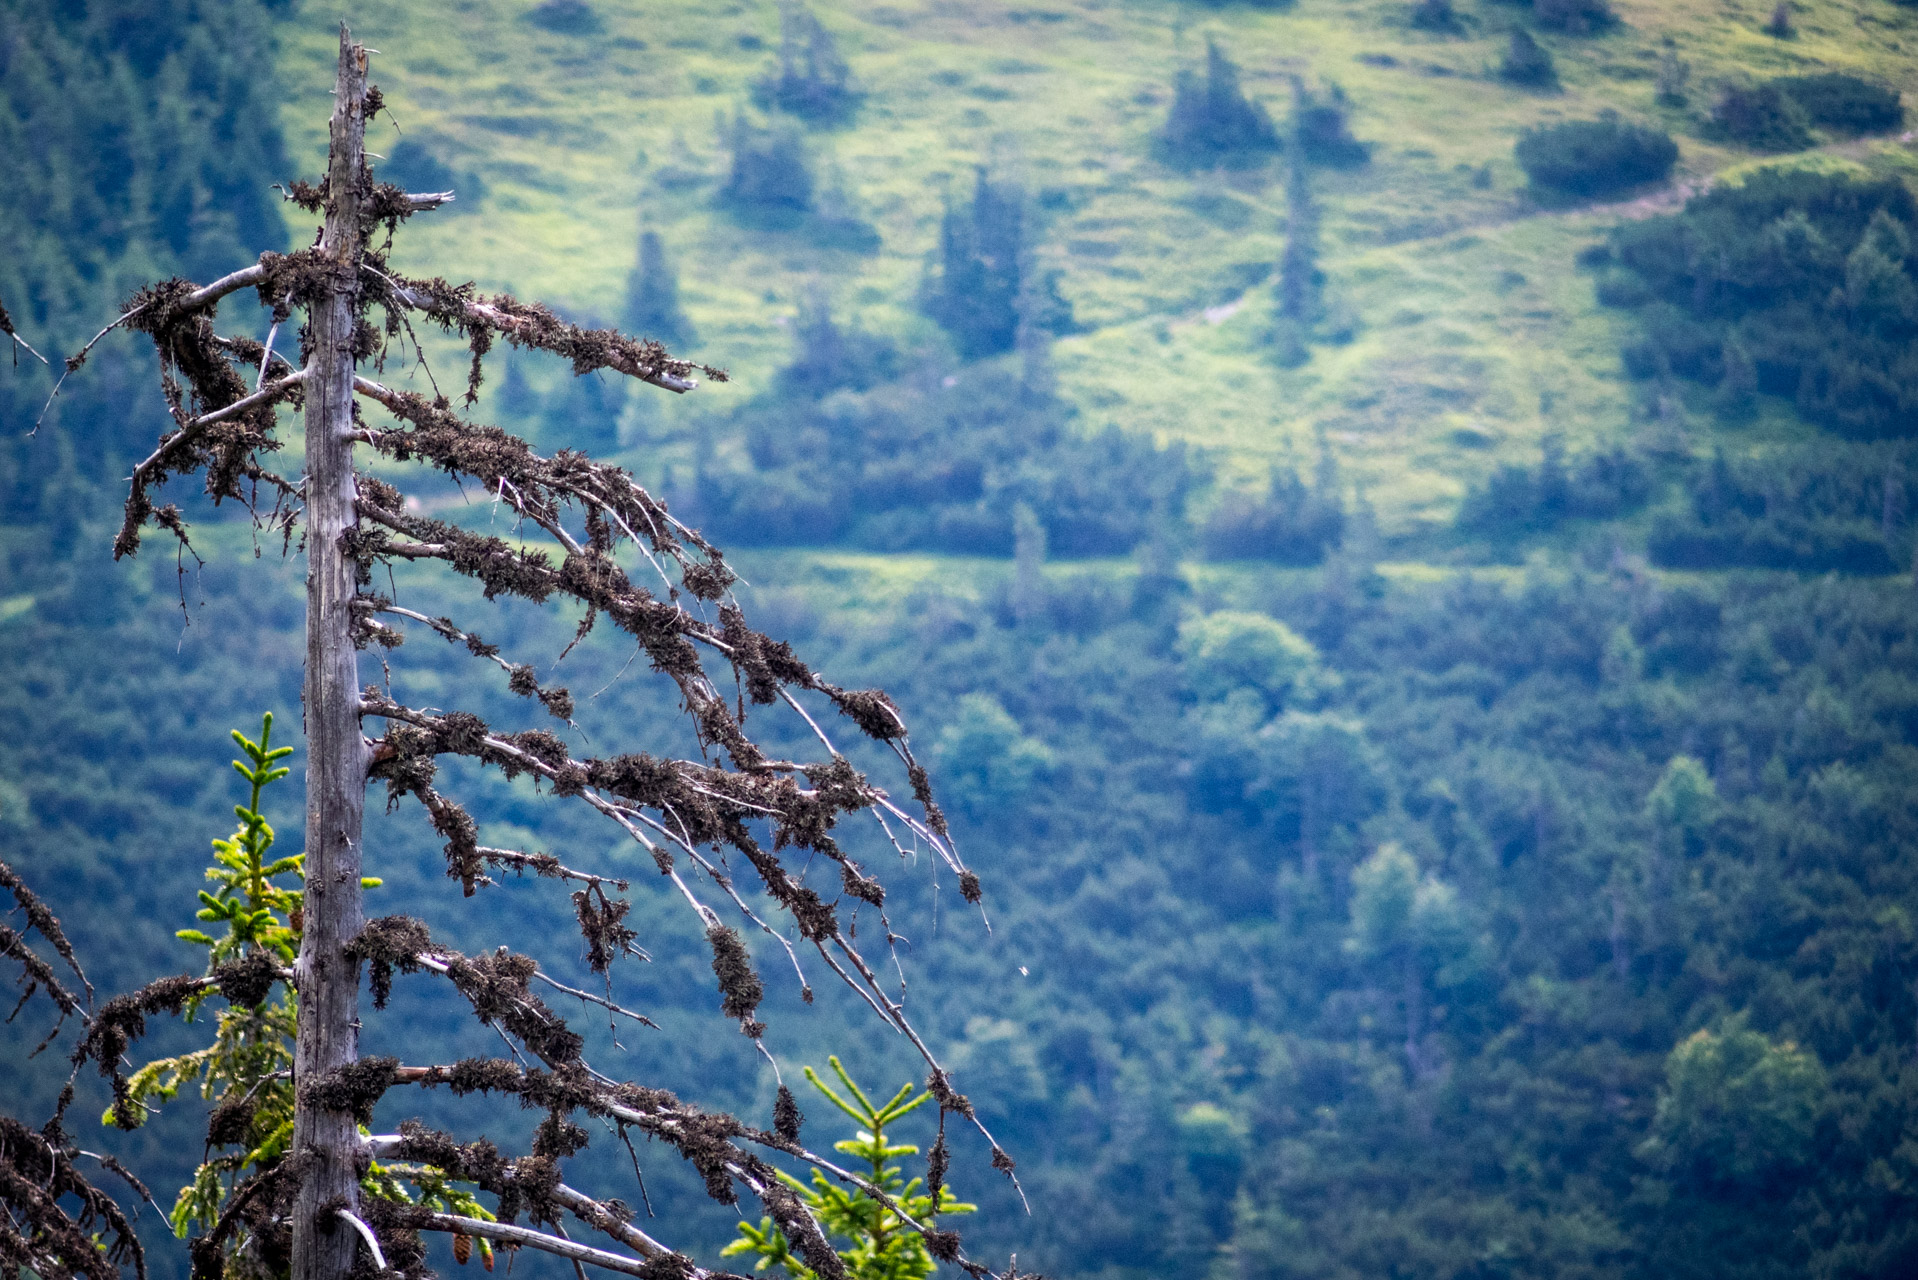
<point>1595,157</point>
<point>1793,283</point>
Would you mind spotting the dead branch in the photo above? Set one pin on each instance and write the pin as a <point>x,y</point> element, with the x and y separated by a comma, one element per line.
<point>526,1236</point>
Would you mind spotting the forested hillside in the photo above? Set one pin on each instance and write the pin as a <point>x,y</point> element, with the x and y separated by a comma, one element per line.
<point>1392,521</point>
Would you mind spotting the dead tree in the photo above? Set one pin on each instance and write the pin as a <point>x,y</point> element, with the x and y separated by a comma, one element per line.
<point>307,1213</point>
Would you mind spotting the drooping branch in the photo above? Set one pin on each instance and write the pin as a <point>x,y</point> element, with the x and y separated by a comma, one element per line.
<point>540,489</point>
<point>6,327</point>
<point>462,309</point>
<point>37,1233</point>
<point>42,920</point>
<point>505,1233</point>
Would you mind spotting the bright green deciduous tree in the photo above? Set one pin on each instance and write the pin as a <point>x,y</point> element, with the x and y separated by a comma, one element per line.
<point>986,756</point>
<point>1736,1107</point>
<point>1411,926</point>
<point>1230,650</point>
<point>1685,799</point>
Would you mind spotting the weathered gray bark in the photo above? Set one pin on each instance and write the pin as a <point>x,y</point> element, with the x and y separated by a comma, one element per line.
<point>324,1246</point>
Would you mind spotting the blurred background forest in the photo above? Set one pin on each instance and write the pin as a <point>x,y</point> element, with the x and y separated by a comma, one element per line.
<point>1393,520</point>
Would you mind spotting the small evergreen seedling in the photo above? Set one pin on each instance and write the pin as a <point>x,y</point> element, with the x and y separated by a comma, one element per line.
<point>880,1248</point>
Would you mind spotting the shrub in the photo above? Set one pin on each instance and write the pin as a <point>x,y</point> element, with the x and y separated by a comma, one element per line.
<point>1291,524</point>
<point>1321,128</point>
<point>832,357</point>
<point>1763,117</point>
<point>1595,157</point>
<point>1792,283</point>
<point>566,18</point>
<point>1526,62</point>
<point>1516,500</point>
<point>1212,122</point>
<point>1844,103</point>
<point>1579,17</point>
<point>1435,15</point>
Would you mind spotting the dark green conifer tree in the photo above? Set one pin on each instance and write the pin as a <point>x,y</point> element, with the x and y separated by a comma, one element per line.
<point>1527,62</point>
<point>975,296</point>
<point>652,297</point>
<point>1212,121</point>
<point>770,182</point>
<point>812,79</point>
<point>1436,15</point>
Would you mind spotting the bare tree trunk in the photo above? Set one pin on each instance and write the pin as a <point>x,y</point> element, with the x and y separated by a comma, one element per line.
<point>324,1246</point>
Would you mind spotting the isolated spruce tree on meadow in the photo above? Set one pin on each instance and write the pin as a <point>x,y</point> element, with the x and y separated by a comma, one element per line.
<point>307,1212</point>
<point>770,182</point>
<point>1322,128</point>
<point>1527,62</point>
<point>1298,298</point>
<point>652,297</point>
<point>1212,122</point>
<point>975,295</point>
<point>1436,15</point>
<point>811,79</point>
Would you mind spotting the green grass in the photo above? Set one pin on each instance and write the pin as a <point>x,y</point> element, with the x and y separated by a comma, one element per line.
<point>1476,334</point>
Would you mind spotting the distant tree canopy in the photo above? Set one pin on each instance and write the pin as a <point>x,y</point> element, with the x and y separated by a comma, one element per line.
<point>1212,122</point>
<point>1816,509</point>
<point>1595,157</point>
<point>140,137</point>
<point>904,467</point>
<point>1516,500</point>
<point>1845,103</point>
<point>1806,277</point>
<point>811,79</point>
<point>102,155</point>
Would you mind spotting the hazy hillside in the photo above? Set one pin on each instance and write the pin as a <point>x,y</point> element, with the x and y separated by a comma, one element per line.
<point>1475,335</point>
<point>1423,661</point>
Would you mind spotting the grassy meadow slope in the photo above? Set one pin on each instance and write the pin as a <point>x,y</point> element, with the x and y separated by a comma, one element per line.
<point>1476,334</point>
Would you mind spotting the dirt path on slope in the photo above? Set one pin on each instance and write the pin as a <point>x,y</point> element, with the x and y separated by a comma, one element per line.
<point>1665,199</point>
